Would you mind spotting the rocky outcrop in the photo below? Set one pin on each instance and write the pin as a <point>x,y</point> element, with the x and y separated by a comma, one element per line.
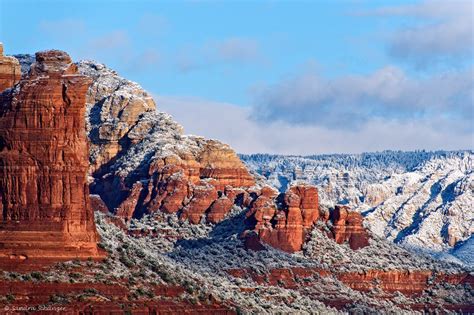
<point>44,196</point>
<point>308,203</point>
<point>100,299</point>
<point>219,209</point>
<point>141,160</point>
<point>143,163</point>
<point>282,220</point>
<point>10,71</point>
<point>404,281</point>
<point>347,227</point>
<point>222,164</point>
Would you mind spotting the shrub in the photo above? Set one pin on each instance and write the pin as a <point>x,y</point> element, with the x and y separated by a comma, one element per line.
<point>37,275</point>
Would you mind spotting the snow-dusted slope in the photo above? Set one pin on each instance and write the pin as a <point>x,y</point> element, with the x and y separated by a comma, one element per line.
<point>422,200</point>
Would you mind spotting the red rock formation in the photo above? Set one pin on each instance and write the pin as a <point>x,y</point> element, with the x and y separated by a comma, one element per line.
<point>404,281</point>
<point>10,71</point>
<point>127,207</point>
<point>43,164</point>
<point>219,209</point>
<point>103,299</point>
<point>263,208</point>
<point>220,162</point>
<point>170,185</point>
<point>203,196</point>
<point>309,203</point>
<point>97,204</point>
<point>176,183</point>
<point>285,228</point>
<point>347,227</point>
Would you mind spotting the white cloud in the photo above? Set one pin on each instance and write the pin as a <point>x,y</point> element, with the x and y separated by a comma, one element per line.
<point>444,31</point>
<point>351,101</point>
<point>232,124</point>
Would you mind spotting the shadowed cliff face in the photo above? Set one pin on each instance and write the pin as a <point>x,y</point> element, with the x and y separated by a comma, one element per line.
<point>44,196</point>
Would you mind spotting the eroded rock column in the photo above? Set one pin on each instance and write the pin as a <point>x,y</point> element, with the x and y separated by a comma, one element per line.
<point>44,158</point>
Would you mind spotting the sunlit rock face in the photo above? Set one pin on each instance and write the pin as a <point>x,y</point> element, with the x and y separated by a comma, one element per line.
<point>283,220</point>
<point>10,71</point>
<point>44,195</point>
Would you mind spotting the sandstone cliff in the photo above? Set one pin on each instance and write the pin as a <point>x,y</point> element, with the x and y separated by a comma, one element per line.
<point>142,163</point>
<point>44,196</point>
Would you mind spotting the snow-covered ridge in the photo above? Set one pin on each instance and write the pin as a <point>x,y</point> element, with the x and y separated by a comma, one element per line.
<point>422,200</point>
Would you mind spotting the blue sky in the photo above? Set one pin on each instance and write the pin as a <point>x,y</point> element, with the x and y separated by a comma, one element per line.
<point>323,72</point>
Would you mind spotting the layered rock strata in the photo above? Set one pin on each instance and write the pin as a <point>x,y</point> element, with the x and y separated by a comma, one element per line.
<point>383,284</point>
<point>44,195</point>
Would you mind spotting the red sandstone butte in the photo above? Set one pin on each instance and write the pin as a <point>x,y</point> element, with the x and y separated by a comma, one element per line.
<point>284,228</point>
<point>44,158</point>
<point>10,71</point>
<point>347,227</point>
<point>283,221</point>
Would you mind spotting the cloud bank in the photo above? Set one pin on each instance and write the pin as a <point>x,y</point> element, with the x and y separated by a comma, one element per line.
<point>349,102</point>
<point>234,125</point>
